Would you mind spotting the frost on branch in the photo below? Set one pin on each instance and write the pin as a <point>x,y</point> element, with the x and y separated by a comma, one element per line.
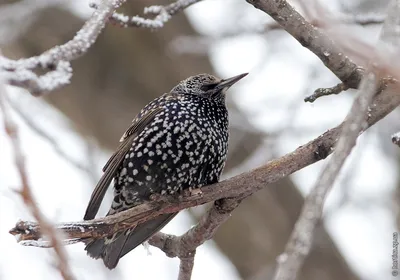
<point>56,60</point>
<point>162,14</point>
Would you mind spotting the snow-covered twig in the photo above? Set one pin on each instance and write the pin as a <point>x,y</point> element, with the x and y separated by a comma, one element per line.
<point>26,194</point>
<point>162,14</point>
<point>57,60</point>
<point>235,188</point>
<point>326,91</point>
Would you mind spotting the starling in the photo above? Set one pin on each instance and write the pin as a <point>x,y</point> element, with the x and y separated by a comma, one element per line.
<point>178,141</point>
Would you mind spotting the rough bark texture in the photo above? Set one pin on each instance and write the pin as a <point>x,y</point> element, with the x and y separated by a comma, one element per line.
<point>263,223</point>
<point>129,67</point>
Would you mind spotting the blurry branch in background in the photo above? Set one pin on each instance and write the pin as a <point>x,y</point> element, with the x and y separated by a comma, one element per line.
<point>228,193</point>
<point>162,14</point>
<point>233,190</point>
<point>184,246</point>
<point>200,44</point>
<point>363,20</point>
<point>313,12</point>
<point>57,60</point>
<point>301,239</point>
<point>328,51</point>
<point>30,122</point>
<point>383,84</point>
<point>26,194</point>
<point>300,242</point>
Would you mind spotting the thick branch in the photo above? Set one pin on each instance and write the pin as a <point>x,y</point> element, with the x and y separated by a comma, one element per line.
<point>237,187</point>
<point>313,39</point>
<point>300,241</point>
<point>186,267</point>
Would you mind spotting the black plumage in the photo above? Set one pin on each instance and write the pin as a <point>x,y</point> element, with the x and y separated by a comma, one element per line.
<point>178,141</point>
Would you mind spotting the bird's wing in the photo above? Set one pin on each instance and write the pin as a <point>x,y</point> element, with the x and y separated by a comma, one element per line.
<point>114,162</point>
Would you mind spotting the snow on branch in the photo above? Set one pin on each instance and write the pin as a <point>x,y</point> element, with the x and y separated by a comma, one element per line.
<point>227,194</point>
<point>57,60</point>
<point>162,14</point>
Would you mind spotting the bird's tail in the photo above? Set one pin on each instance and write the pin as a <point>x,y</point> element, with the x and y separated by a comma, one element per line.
<point>112,248</point>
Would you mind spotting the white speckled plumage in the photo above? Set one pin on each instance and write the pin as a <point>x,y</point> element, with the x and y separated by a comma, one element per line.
<point>183,145</point>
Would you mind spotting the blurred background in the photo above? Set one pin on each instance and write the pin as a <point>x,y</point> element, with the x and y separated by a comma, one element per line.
<point>68,135</point>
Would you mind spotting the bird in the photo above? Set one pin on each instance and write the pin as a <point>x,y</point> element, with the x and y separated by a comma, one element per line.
<point>178,141</point>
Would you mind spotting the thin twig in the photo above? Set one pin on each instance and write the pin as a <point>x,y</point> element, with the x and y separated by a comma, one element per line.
<point>162,14</point>
<point>363,20</point>
<point>237,187</point>
<point>300,241</point>
<point>29,121</point>
<point>57,60</point>
<point>26,194</point>
<point>326,91</point>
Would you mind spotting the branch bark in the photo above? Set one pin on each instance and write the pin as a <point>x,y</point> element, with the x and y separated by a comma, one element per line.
<point>313,39</point>
<point>26,193</point>
<point>300,241</point>
<point>233,189</point>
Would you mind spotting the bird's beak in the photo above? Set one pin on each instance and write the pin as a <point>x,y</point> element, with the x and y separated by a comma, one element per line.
<point>226,83</point>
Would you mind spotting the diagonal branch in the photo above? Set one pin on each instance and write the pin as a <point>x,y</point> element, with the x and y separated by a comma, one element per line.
<point>300,241</point>
<point>313,39</point>
<point>57,60</point>
<point>25,192</point>
<point>235,188</point>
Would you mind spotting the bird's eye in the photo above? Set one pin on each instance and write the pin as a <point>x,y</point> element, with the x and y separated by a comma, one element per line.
<point>208,87</point>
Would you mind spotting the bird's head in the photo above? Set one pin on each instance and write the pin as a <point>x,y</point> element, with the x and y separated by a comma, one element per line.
<point>206,85</point>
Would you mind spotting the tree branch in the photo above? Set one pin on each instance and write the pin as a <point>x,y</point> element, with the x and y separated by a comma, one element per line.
<point>234,189</point>
<point>313,39</point>
<point>162,14</point>
<point>26,194</point>
<point>326,91</point>
<point>57,60</point>
<point>300,241</point>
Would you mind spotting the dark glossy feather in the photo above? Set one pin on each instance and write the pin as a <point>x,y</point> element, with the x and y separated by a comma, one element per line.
<point>114,162</point>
